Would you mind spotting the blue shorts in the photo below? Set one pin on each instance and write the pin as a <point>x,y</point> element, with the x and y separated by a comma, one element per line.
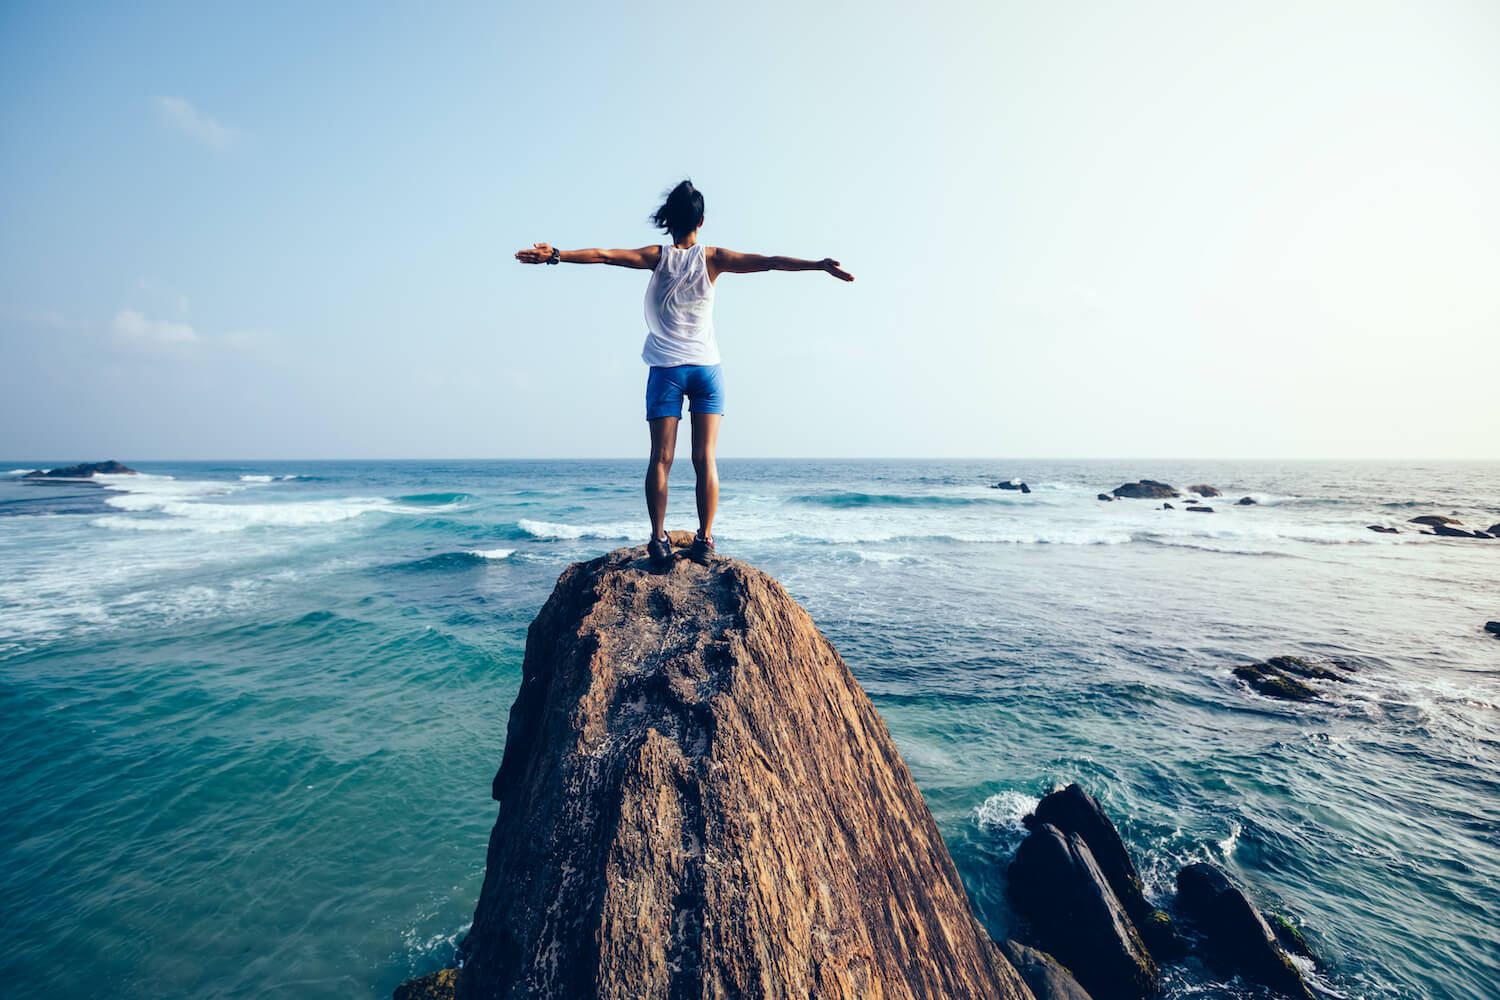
<point>703,385</point>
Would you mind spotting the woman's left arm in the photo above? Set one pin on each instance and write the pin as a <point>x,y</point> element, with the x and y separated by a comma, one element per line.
<point>644,259</point>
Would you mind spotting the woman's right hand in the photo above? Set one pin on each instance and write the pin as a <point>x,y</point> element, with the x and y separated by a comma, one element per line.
<point>539,254</point>
<point>832,267</point>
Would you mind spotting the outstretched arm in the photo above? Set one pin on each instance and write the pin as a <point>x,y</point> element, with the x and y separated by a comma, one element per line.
<point>721,260</point>
<point>645,258</point>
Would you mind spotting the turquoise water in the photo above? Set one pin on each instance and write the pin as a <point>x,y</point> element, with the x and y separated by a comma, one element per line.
<point>249,714</point>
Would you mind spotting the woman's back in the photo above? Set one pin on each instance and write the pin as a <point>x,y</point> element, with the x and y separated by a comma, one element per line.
<point>680,310</point>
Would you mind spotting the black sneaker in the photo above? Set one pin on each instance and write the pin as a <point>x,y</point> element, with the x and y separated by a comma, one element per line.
<point>702,551</point>
<point>660,551</point>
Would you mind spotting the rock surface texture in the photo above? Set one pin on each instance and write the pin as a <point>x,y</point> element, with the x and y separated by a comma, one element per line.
<point>110,468</point>
<point>1146,489</point>
<point>698,800</point>
<point>1238,936</point>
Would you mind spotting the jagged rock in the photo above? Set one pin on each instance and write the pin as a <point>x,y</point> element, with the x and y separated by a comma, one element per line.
<point>1043,973</point>
<point>110,468</point>
<point>1202,510</point>
<point>1167,506</point>
<point>1302,668</point>
<point>1238,936</point>
<point>1057,885</point>
<point>697,800</point>
<point>1146,489</point>
<point>1434,520</point>
<point>1012,484</point>
<point>1074,810</point>
<point>1245,502</point>
<point>1105,496</point>
<point>1274,683</point>
<point>440,985</point>
<point>1493,530</point>
<point>1383,530</point>
<point>1493,628</point>
<point>1290,937</point>
<point>1025,488</point>
<point>1448,531</point>
<point>1204,490</point>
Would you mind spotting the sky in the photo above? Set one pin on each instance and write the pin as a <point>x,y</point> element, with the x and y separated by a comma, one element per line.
<point>1078,230</point>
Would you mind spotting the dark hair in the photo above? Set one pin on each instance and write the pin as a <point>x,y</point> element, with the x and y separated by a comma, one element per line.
<point>682,212</point>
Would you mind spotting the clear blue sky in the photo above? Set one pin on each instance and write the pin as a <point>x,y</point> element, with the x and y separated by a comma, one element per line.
<point>285,231</point>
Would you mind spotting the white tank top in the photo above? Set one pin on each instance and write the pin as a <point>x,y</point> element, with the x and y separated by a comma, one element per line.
<point>680,310</point>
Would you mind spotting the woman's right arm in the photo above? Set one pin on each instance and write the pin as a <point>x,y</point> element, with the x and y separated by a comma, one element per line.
<point>644,259</point>
<point>722,260</point>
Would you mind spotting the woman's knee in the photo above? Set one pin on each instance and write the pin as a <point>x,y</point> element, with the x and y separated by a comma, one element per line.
<point>703,459</point>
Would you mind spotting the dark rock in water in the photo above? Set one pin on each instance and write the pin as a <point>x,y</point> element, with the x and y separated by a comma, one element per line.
<point>1273,683</point>
<point>1289,936</point>
<point>440,985</point>
<point>1448,531</point>
<point>1025,488</point>
<point>1105,496</point>
<point>1238,936</point>
<point>1204,490</point>
<point>1493,628</point>
<point>1302,668</point>
<point>1047,979</point>
<point>1493,530</point>
<point>1073,810</point>
<point>1012,484</point>
<point>698,800</point>
<point>1245,502</point>
<point>1434,520</point>
<point>1146,489</point>
<point>1167,506</point>
<point>110,468</point>
<point>1056,884</point>
<point>1383,530</point>
<point>1202,510</point>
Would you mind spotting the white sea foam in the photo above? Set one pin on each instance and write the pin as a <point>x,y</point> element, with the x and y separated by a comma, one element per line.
<point>256,479</point>
<point>492,553</point>
<point>1004,811</point>
<point>1228,844</point>
<point>554,531</point>
<point>18,472</point>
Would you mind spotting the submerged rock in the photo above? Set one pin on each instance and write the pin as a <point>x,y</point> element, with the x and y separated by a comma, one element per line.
<point>1493,628</point>
<point>1202,510</point>
<point>1167,506</point>
<point>1045,976</point>
<point>1238,936</point>
<point>1245,502</point>
<point>1204,490</point>
<point>1383,529</point>
<point>1303,668</point>
<point>110,468</point>
<point>1105,496</point>
<point>1058,886</point>
<point>1146,489</point>
<point>1448,531</point>
<point>1274,683</point>
<point>698,800</point>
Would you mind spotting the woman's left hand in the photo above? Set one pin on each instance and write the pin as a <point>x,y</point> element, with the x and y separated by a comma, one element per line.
<point>540,254</point>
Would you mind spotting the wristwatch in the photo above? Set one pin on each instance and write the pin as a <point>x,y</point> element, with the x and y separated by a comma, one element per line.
<point>556,256</point>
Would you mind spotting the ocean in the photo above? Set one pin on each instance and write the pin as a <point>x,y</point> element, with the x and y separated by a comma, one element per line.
<point>249,712</point>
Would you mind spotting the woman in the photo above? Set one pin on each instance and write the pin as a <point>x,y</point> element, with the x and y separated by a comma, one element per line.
<point>680,348</point>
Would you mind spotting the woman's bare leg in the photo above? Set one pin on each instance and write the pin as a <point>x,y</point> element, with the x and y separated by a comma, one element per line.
<point>663,444</point>
<point>705,446</point>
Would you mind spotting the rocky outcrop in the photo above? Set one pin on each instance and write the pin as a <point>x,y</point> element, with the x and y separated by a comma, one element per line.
<point>1245,502</point>
<point>1278,676</point>
<point>110,468</point>
<point>1043,973</point>
<point>697,800</point>
<point>1449,531</point>
<point>1201,510</point>
<point>1493,628</point>
<point>1012,484</point>
<point>1493,530</point>
<point>1434,520</point>
<point>1204,490</point>
<point>1238,937</point>
<point>1058,886</point>
<point>1382,529</point>
<point>1105,497</point>
<point>1146,489</point>
<point>1167,506</point>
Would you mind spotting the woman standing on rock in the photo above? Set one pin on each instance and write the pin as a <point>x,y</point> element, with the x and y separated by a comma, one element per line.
<point>681,349</point>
